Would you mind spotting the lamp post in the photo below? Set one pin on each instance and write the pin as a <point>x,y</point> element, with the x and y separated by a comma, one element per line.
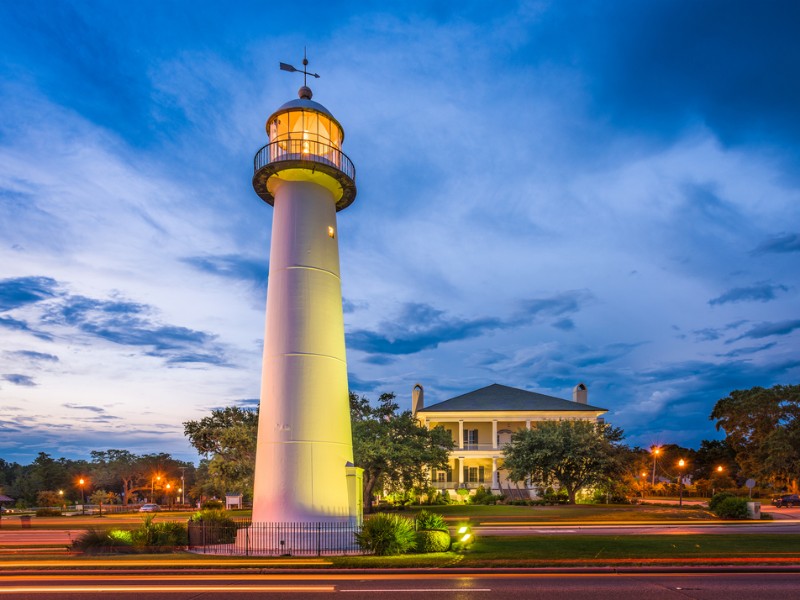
<point>714,487</point>
<point>61,499</point>
<point>152,487</point>
<point>81,482</point>
<point>180,498</point>
<point>169,498</point>
<point>644,483</point>
<point>656,452</point>
<point>681,464</point>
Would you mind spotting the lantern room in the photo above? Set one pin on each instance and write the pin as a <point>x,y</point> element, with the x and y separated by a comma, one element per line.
<point>305,143</point>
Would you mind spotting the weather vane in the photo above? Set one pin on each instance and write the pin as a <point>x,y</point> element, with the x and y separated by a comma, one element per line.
<point>291,69</point>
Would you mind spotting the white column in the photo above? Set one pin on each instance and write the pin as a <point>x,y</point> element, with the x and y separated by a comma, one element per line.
<point>495,480</point>
<point>528,424</point>
<point>461,434</point>
<point>494,434</point>
<point>460,463</point>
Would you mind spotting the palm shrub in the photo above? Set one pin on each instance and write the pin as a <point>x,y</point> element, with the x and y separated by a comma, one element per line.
<point>731,508</point>
<point>430,521</point>
<point>387,534</point>
<point>98,541</point>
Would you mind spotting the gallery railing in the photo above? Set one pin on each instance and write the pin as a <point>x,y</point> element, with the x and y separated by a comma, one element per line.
<point>306,150</point>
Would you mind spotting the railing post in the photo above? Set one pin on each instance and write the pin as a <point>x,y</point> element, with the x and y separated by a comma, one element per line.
<point>319,540</point>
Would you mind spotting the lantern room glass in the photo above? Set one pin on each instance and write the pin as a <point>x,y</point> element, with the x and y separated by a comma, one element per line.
<point>303,132</point>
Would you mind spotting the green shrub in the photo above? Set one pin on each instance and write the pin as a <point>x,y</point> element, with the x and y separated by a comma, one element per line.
<point>48,512</point>
<point>94,541</point>
<point>212,527</point>
<point>433,541</point>
<point>159,537</point>
<point>484,496</point>
<point>717,498</point>
<point>213,505</point>
<point>430,521</point>
<point>731,508</point>
<point>121,537</point>
<point>386,534</point>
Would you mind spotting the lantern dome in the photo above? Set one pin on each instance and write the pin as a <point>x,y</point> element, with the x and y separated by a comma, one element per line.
<point>305,142</point>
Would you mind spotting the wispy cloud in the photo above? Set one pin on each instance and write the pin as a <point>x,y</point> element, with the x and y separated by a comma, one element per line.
<point>34,356</point>
<point>763,292</point>
<point>250,270</point>
<point>781,244</point>
<point>768,329</point>
<point>17,379</point>
<point>20,291</point>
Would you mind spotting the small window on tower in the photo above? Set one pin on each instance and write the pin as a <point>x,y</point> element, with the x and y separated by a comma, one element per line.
<point>331,232</point>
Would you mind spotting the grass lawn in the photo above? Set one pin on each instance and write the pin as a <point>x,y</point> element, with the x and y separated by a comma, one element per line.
<point>564,513</point>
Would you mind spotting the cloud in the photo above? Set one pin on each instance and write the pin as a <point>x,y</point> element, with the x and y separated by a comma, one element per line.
<point>746,351</point>
<point>21,291</point>
<point>780,244</point>
<point>758,293</point>
<point>33,356</point>
<point>418,327</point>
<point>96,409</point>
<point>17,379</point>
<point>230,266</point>
<point>421,326</point>
<point>767,329</point>
<point>130,324</point>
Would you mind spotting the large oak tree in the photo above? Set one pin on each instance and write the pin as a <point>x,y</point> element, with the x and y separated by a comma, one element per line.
<point>570,454</point>
<point>395,451</point>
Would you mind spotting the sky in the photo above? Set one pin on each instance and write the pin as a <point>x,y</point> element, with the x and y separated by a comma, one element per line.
<point>548,193</point>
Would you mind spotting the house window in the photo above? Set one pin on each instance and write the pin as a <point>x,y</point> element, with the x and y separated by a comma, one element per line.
<point>470,438</point>
<point>474,474</point>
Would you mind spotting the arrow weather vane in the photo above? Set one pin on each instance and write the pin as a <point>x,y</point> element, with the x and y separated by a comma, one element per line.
<point>291,69</point>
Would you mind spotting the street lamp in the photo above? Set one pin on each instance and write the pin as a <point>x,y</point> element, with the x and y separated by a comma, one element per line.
<point>152,487</point>
<point>169,498</point>
<point>644,479</point>
<point>681,464</point>
<point>61,499</point>
<point>180,498</point>
<point>81,483</point>
<point>656,452</point>
<point>720,469</point>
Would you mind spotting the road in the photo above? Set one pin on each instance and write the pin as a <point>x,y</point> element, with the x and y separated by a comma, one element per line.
<point>403,586</point>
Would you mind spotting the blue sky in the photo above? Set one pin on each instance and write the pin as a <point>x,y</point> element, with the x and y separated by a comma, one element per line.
<point>549,193</point>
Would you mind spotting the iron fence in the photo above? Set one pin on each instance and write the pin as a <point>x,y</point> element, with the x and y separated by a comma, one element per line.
<point>245,538</point>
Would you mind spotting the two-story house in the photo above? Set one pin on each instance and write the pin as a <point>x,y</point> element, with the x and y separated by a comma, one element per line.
<point>481,423</point>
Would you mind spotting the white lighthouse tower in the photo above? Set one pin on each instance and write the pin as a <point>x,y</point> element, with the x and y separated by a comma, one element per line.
<point>304,462</point>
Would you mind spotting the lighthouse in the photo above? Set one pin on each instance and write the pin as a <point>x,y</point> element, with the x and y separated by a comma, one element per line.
<point>304,469</point>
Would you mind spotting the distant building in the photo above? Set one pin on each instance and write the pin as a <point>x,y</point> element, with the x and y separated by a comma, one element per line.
<point>481,423</point>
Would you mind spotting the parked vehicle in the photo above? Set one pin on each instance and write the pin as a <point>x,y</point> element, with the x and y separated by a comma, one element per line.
<point>150,508</point>
<point>786,500</point>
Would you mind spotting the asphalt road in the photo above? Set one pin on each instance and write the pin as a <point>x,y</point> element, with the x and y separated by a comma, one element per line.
<point>394,586</point>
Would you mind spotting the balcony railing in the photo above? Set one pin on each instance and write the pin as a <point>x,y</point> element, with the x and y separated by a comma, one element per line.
<point>305,150</point>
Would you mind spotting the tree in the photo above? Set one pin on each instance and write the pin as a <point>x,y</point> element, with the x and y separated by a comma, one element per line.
<point>228,439</point>
<point>133,475</point>
<point>394,450</point>
<point>571,454</point>
<point>763,428</point>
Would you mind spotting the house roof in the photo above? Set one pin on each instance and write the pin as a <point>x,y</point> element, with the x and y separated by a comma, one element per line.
<point>498,397</point>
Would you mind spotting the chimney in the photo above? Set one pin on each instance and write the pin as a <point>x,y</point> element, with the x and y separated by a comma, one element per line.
<point>417,399</point>
<point>580,394</point>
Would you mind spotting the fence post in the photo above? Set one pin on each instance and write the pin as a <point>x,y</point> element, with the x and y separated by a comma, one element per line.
<point>319,540</point>
<point>247,541</point>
